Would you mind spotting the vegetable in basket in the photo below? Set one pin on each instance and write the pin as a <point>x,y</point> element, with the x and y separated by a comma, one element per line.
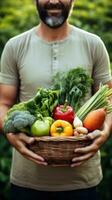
<point>81,130</point>
<point>73,86</point>
<point>99,100</point>
<point>64,112</point>
<point>77,122</point>
<point>29,111</point>
<point>41,127</point>
<point>61,128</point>
<point>95,119</point>
<point>19,121</point>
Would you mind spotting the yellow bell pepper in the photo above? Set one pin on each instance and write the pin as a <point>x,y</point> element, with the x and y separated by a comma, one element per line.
<point>61,128</point>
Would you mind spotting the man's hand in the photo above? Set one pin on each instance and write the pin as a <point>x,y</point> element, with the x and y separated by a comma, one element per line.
<point>85,153</point>
<point>20,141</point>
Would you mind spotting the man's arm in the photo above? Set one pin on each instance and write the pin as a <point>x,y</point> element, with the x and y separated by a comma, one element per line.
<point>18,141</point>
<point>108,121</point>
<point>98,139</point>
<point>7,99</point>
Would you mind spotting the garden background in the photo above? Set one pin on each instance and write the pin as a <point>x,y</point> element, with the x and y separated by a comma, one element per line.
<point>20,15</point>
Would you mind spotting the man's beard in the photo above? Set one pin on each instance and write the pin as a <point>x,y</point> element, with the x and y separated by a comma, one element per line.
<point>51,20</point>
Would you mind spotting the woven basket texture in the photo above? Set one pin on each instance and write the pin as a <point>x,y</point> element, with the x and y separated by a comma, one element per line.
<point>58,151</point>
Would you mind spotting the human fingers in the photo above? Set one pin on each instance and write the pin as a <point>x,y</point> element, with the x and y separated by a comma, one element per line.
<point>94,146</point>
<point>83,157</point>
<point>37,161</point>
<point>76,164</point>
<point>20,142</point>
<point>88,149</point>
<point>14,138</point>
<point>93,135</point>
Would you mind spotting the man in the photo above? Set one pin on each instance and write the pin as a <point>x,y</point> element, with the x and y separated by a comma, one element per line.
<point>29,61</point>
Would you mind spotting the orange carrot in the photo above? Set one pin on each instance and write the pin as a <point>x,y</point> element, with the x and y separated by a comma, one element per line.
<point>95,119</point>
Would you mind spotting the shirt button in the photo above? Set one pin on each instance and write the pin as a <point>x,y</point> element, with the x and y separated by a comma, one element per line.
<point>55,50</point>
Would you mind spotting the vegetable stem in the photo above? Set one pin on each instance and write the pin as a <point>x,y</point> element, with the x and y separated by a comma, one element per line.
<point>99,100</point>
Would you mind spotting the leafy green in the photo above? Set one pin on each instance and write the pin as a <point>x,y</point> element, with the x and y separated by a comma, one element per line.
<point>45,100</point>
<point>73,86</point>
<point>22,115</point>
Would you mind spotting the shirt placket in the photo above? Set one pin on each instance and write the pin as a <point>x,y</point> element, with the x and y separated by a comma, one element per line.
<point>55,61</point>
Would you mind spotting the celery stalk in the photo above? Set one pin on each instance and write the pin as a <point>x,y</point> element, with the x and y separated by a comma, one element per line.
<point>98,100</point>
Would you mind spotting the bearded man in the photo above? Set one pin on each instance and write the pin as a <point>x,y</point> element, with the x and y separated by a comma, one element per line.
<point>28,61</point>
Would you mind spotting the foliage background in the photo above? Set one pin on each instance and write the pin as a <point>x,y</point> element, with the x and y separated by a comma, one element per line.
<point>20,15</point>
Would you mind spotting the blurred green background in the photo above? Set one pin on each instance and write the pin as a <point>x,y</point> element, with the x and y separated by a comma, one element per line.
<point>20,15</point>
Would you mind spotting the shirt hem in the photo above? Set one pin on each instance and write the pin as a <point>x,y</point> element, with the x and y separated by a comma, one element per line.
<point>56,187</point>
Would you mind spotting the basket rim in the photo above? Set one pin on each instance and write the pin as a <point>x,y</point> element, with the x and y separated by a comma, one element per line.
<point>61,138</point>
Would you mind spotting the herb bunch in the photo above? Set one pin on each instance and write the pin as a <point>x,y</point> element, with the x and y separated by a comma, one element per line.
<point>73,86</point>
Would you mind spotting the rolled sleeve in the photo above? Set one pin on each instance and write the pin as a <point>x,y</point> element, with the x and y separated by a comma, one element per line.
<point>8,66</point>
<point>7,79</point>
<point>101,70</point>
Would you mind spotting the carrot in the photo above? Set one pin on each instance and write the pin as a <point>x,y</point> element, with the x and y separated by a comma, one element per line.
<point>95,119</point>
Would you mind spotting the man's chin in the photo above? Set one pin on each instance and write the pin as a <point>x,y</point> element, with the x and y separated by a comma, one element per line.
<point>54,23</point>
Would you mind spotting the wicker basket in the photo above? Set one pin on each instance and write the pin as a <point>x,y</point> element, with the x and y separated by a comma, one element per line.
<point>58,151</point>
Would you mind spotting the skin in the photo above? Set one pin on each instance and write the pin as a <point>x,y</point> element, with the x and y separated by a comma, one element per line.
<point>8,96</point>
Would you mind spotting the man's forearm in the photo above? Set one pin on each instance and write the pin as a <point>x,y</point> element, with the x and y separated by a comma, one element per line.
<point>3,111</point>
<point>107,128</point>
<point>108,121</point>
